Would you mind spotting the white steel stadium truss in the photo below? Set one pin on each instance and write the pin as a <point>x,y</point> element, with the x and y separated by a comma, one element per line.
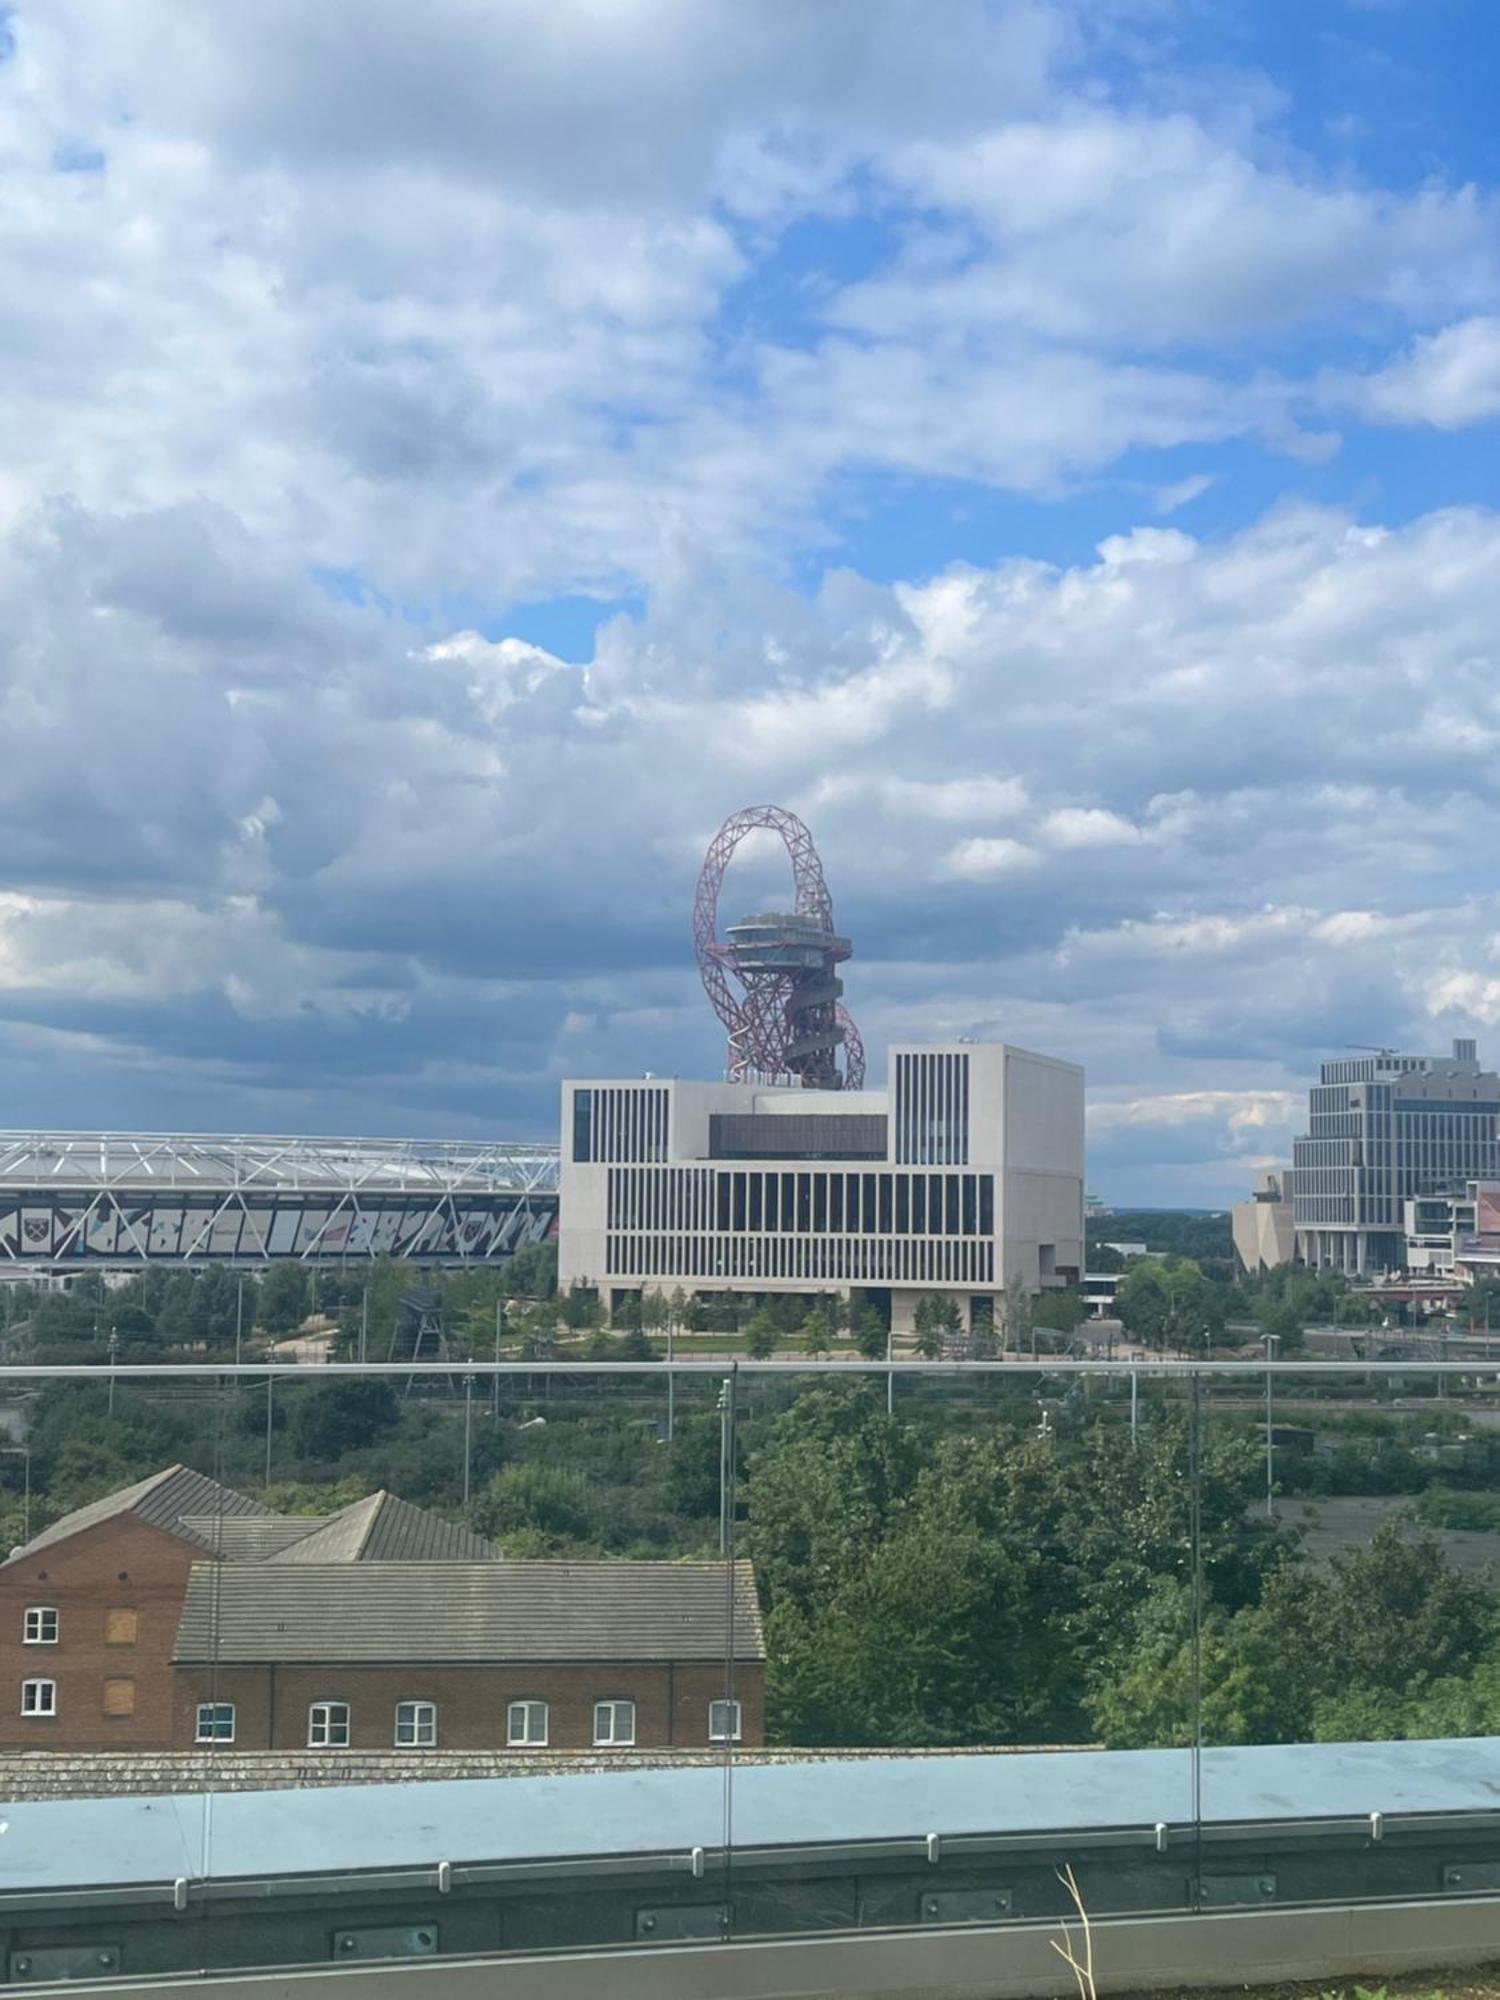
<point>80,1198</point>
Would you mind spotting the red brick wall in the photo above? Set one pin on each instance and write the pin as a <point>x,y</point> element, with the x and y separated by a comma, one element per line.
<point>271,1704</point>
<point>120,1564</point>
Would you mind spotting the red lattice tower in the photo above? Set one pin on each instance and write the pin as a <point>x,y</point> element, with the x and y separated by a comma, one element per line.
<point>772,980</point>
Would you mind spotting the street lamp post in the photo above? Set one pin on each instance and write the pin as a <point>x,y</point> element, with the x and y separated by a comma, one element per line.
<point>726,1465</point>
<point>468,1429</point>
<point>495,1393</point>
<point>1273,1343</point>
<point>114,1348</point>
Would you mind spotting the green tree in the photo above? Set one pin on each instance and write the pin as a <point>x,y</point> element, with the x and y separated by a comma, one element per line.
<point>817,1333</point>
<point>343,1416</point>
<point>927,1325</point>
<point>557,1502</point>
<point>1018,1309</point>
<point>871,1334</point>
<point>581,1308</point>
<point>1061,1312</point>
<point>283,1302</point>
<point>762,1334</point>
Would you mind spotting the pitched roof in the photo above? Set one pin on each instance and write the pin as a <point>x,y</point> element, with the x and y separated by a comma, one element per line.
<point>161,1500</point>
<point>382,1528</point>
<point>474,1612</point>
<point>239,1538</point>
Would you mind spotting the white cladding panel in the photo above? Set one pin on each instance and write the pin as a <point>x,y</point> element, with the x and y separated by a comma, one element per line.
<point>1018,1123</point>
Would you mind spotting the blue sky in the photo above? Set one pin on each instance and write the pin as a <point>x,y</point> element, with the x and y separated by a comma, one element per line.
<point>455,458</point>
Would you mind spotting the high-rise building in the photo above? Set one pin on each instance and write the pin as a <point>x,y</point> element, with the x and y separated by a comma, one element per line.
<point>966,1173</point>
<point>1382,1128</point>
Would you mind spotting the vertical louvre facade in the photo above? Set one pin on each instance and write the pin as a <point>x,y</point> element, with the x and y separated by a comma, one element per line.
<point>619,1122</point>
<point>932,1108</point>
<point>965,1173</point>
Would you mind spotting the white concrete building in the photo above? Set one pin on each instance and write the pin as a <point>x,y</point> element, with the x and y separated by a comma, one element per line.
<point>1265,1233</point>
<point>966,1172</point>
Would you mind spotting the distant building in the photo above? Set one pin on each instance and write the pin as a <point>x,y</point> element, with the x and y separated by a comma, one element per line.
<point>1265,1231</point>
<point>966,1173</point>
<point>178,1612</point>
<point>1455,1233</point>
<point>1383,1128</point>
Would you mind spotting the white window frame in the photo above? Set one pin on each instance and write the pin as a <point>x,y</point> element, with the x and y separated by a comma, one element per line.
<point>611,1707</point>
<point>421,1712</point>
<point>716,1731</point>
<point>320,1725</point>
<point>524,1738</point>
<point>40,1706</point>
<point>33,1632</point>
<point>213,1734</point>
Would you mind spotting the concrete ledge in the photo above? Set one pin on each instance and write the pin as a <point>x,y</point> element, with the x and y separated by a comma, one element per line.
<point>35,1775</point>
<point>1240,1948</point>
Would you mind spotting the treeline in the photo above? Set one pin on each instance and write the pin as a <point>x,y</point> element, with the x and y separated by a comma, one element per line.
<point>1015,1587</point>
<point>997,1561</point>
<point>1166,1232</point>
<point>212,1311</point>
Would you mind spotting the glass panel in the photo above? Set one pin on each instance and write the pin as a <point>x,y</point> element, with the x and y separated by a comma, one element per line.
<point>1346,1630</point>
<point>950,1558</point>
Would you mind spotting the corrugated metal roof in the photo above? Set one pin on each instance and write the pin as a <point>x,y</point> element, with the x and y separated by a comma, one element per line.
<point>74,1843</point>
<point>162,1500</point>
<point>383,1528</point>
<point>251,1537</point>
<point>492,1611</point>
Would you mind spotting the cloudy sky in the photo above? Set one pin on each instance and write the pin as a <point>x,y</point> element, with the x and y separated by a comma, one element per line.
<point>452,456</point>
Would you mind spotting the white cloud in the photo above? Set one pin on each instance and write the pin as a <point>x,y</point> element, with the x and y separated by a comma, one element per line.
<point>987,855</point>
<point>1073,827</point>
<point>1446,379</point>
<point>468,306</point>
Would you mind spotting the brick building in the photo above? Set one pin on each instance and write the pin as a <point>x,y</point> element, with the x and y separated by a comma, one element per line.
<point>179,1613</point>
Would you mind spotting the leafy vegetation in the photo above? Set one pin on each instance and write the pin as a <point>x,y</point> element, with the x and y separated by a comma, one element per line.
<point>1004,1558</point>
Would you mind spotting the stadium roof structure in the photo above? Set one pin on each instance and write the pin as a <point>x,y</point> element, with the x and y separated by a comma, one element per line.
<point>206,1162</point>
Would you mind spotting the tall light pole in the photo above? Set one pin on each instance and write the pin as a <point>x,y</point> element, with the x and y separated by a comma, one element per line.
<point>726,1464</point>
<point>114,1348</point>
<point>468,1429</point>
<point>495,1378</point>
<point>671,1386</point>
<point>239,1316</point>
<point>1273,1343</point>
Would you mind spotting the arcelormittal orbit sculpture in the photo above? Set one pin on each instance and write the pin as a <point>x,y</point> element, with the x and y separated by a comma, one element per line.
<point>772,979</point>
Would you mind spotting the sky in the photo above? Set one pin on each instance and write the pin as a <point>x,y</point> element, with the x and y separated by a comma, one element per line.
<point>453,456</point>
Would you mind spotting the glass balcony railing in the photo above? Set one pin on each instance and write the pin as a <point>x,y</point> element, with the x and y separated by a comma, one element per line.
<point>435,1657</point>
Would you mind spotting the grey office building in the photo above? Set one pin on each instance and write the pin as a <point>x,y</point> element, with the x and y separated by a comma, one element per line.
<point>1381,1128</point>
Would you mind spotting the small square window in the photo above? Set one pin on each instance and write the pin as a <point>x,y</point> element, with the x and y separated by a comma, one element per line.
<point>39,1697</point>
<point>215,1722</point>
<point>40,1628</point>
<point>120,1627</point>
<point>723,1722</point>
<point>526,1725</point>
<point>328,1725</point>
<point>416,1725</point>
<point>614,1723</point>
